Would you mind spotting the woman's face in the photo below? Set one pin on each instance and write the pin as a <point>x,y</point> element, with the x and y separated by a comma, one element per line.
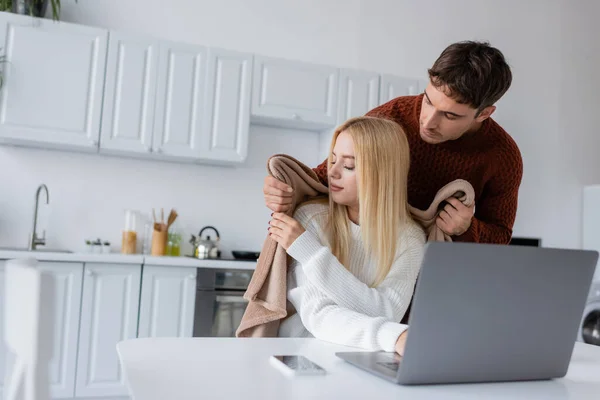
<point>343,186</point>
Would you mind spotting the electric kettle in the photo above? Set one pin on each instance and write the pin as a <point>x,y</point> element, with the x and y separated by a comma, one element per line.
<point>206,248</point>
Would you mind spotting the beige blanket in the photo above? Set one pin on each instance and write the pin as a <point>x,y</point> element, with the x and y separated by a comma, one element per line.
<point>458,188</point>
<point>267,290</point>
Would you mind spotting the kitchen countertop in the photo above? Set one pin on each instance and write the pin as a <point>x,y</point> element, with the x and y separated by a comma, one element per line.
<point>185,261</point>
<point>117,258</point>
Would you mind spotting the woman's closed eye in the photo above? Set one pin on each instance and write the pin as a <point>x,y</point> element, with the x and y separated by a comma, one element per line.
<point>347,167</point>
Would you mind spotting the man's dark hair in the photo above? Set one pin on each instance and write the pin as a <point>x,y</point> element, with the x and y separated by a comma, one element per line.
<point>472,73</point>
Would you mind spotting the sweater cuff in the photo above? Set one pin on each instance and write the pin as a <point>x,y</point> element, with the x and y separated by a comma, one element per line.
<point>304,247</point>
<point>388,335</point>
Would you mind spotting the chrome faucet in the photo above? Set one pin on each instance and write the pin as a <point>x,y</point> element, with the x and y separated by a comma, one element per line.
<point>34,240</point>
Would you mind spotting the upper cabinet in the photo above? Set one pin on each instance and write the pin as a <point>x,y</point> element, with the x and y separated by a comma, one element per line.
<point>129,95</point>
<point>359,93</point>
<point>180,100</point>
<point>227,121</point>
<point>52,82</point>
<point>294,94</point>
<point>69,86</point>
<point>176,101</point>
<point>394,86</point>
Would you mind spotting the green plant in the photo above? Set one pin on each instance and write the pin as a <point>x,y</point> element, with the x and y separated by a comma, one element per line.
<point>6,5</point>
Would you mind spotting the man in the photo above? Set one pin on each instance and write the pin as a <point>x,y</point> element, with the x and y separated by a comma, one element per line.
<point>452,136</point>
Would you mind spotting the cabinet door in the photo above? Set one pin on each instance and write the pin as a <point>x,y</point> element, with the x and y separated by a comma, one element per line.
<point>228,106</point>
<point>180,107</point>
<point>394,86</point>
<point>53,81</point>
<point>109,312</point>
<point>359,93</point>
<point>130,93</point>
<point>3,350</point>
<point>293,93</point>
<point>167,302</point>
<point>68,278</point>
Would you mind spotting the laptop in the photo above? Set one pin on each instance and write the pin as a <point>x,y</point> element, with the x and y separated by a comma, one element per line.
<point>489,313</point>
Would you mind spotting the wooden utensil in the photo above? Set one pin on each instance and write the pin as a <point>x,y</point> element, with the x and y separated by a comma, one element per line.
<point>172,218</point>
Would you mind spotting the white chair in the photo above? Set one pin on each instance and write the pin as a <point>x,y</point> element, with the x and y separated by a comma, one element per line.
<point>28,326</point>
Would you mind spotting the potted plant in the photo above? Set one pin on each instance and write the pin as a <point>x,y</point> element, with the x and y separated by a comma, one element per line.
<point>35,8</point>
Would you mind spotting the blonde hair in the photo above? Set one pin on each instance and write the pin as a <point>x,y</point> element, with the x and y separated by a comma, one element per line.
<point>382,162</point>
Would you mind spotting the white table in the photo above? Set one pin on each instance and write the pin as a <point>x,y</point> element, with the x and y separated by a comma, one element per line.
<point>230,368</point>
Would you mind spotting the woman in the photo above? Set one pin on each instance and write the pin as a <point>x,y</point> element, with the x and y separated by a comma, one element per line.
<point>356,259</point>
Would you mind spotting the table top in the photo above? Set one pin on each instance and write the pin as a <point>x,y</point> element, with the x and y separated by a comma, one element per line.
<point>232,368</point>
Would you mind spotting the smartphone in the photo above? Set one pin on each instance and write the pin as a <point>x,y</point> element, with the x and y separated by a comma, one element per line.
<point>296,365</point>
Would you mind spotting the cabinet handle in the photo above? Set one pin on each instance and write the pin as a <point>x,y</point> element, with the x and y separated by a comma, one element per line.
<point>149,149</point>
<point>88,272</point>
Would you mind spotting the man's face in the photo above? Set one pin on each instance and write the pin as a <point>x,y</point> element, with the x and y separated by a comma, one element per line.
<point>443,119</point>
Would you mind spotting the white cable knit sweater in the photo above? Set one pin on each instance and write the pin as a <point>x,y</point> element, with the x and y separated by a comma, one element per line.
<point>337,305</point>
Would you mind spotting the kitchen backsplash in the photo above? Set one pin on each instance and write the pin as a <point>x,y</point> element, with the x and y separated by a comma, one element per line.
<point>90,193</point>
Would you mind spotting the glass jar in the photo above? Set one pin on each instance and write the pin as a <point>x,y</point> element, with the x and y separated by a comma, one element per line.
<point>129,240</point>
<point>174,244</point>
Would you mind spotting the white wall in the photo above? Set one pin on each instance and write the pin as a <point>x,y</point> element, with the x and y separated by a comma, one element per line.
<point>550,110</point>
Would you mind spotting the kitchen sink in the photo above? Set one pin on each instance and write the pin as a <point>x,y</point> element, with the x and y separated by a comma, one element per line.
<point>41,249</point>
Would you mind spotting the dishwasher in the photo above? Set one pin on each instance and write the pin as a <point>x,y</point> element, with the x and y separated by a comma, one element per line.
<point>220,304</point>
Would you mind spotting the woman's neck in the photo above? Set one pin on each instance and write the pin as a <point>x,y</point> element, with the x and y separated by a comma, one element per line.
<point>353,214</point>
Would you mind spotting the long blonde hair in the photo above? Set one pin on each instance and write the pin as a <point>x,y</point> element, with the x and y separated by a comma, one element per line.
<point>382,164</point>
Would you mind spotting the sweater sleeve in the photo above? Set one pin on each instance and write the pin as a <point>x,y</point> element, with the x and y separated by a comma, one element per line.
<point>390,299</point>
<point>321,171</point>
<point>328,321</point>
<point>497,208</point>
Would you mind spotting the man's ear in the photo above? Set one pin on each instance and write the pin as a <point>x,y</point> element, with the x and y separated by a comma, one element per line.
<point>485,113</point>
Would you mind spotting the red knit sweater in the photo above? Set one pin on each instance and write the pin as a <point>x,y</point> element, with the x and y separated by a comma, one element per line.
<point>489,159</point>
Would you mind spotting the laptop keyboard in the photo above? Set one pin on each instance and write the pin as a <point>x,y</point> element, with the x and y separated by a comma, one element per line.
<point>390,361</point>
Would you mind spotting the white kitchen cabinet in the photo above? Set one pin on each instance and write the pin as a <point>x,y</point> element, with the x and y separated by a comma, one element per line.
<point>53,82</point>
<point>167,302</point>
<point>3,349</point>
<point>228,106</point>
<point>68,278</point>
<point>130,94</point>
<point>109,314</point>
<point>294,94</point>
<point>395,86</point>
<point>180,103</point>
<point>359,93</point>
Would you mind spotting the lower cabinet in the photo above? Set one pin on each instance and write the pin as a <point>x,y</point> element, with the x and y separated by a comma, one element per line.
<point>68,277</point>
<point>99,305</point>
<point>109,314</point>
<point>3,351</point>
<point>167,302</point>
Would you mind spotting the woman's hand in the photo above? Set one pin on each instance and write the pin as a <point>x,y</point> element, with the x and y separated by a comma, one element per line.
<point>401,342</point>
<point>284,229</point>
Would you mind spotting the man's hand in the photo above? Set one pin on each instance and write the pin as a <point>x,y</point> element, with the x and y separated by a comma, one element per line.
<point>285,229</point>
<point>278,195</point>
<point>401,342</point>
<point>455,219</point>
